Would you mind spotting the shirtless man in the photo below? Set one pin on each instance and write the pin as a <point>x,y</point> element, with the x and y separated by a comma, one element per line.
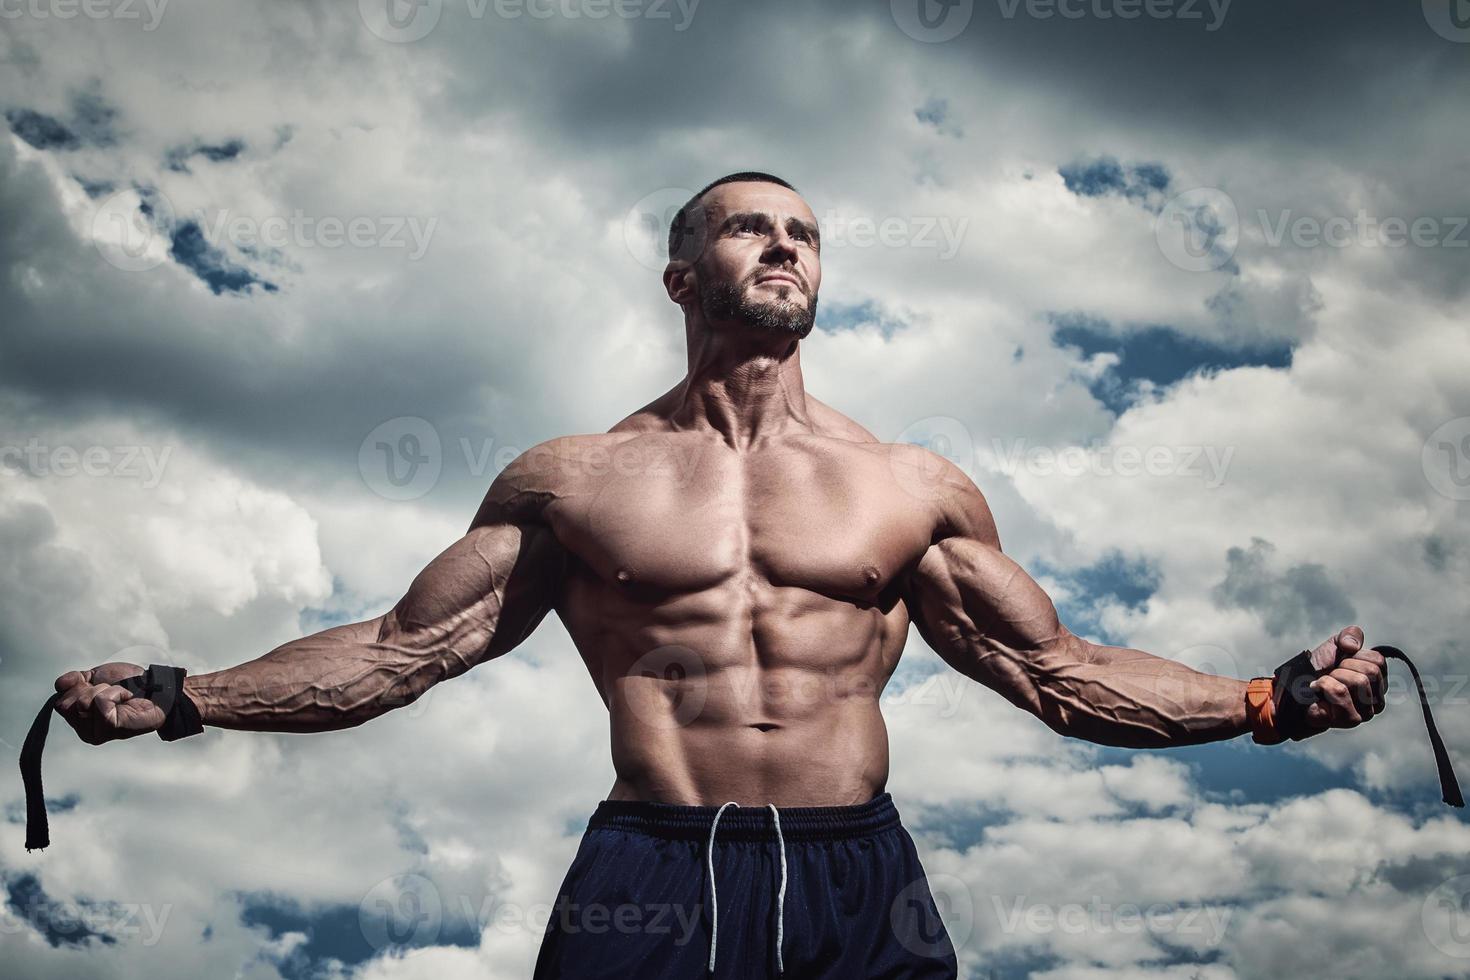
<point>737,564</point>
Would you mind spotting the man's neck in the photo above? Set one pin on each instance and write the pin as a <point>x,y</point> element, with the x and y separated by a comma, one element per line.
<point>744,392</point>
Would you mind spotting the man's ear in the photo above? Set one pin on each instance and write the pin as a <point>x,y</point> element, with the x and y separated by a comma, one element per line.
<point>679,281</point>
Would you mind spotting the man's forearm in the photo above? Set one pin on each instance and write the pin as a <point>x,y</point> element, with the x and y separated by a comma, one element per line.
<point>335,679</point>
<point>1123,697</point>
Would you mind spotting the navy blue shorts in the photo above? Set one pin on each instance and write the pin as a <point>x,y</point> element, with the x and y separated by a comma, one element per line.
<point>639,900</point>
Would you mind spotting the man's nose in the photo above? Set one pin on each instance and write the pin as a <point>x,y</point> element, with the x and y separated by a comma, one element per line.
<point>780,247</point>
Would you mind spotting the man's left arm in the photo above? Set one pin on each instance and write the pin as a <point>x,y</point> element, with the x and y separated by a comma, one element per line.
<point>986,617</point>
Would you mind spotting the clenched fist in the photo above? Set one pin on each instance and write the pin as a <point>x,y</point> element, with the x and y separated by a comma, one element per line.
<point>1353,687</point>
<point>101,711</point>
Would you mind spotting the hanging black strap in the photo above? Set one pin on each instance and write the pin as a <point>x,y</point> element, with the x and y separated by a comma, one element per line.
<point>161,684</point>
<point>37,833</point>
<point>1447,782</point>
<point>1294,696</point>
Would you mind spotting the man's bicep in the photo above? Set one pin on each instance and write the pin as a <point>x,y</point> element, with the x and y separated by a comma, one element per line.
<point>983,614</point>
<point>482,595</point>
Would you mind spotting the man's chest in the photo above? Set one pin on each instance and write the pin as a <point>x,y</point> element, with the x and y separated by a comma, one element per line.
<point>802,516</point>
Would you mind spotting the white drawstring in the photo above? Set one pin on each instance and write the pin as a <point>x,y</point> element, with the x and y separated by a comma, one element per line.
<point>714,901</point>
<point>781,895</point>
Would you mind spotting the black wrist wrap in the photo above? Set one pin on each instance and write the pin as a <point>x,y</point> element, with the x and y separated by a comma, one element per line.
<point>1293,696</point>
<point>161,684</point>
<point>164,686</point>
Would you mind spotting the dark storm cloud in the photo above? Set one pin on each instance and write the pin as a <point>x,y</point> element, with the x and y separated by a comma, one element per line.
<point>1301,86</point>
<point>1302,600</point>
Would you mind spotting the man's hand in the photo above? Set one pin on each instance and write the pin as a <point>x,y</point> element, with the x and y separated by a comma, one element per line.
<point>99,710</point>
<point>1352,689</point>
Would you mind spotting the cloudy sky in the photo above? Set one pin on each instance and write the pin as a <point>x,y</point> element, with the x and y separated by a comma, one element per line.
<point>1181,284</point>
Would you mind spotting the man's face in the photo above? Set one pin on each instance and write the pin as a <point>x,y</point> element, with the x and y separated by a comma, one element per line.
<point>760,265</point>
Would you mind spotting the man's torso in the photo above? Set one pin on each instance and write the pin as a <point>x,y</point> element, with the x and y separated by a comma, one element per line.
<point>738,610</point>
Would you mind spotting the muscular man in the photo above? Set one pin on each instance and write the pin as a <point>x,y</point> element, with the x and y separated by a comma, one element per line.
<point>737,564</point>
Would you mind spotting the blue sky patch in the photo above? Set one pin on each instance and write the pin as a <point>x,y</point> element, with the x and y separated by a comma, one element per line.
<point>61,923</point>
<point>42,131</point>
<point>935,113</point>
<point>337,932</point>
<point>178,158</point>
<point>1113,579</point>
<point>1143,183</point>
<point>194,252</point>
<point>1159,354</point>
<point>836,317</point>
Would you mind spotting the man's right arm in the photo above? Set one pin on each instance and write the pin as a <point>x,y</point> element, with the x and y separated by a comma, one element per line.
<point>475,601</point>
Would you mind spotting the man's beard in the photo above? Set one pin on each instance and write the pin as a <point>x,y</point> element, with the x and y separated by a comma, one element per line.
<point>730,301</point>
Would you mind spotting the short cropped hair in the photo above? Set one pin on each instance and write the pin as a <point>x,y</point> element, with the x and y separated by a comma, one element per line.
<point>683,238</point>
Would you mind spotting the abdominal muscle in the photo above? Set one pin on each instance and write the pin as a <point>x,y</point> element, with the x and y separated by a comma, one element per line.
<point>754,735</point>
